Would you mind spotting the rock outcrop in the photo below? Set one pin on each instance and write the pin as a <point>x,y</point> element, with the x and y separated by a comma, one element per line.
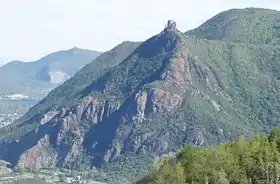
<point>39,156</point>
<point>52,76</point>
<point>171,25</point>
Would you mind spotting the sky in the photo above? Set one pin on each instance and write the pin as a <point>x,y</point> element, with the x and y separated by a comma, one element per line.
<point>31,29</point>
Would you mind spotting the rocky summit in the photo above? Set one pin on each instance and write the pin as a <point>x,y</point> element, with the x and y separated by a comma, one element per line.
<point>140,101</point>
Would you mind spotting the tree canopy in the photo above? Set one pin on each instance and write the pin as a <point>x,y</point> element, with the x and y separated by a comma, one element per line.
<point>255,161</point>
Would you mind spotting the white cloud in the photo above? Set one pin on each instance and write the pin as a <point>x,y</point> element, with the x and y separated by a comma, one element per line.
<point>32,28</point>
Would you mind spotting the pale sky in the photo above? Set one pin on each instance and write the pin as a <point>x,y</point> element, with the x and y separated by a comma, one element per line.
<point>31,29</point>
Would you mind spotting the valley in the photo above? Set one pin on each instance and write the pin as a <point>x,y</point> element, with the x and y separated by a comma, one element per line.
<point>45,176</point>
<point>13,107</point>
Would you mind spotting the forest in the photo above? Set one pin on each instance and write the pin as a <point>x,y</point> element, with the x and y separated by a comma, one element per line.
<point>254,161</point>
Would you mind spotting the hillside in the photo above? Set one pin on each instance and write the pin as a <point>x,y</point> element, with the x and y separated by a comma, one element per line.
<point>241,162</point>
<point>140,101</point>
<point>251,25</point>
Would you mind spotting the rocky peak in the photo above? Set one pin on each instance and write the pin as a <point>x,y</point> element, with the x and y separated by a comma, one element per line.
<point>171,32</point>
<point>167,40</point>
<point>171,24</point>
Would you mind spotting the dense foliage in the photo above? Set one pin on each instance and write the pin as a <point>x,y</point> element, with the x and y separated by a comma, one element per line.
<point>243,161</point>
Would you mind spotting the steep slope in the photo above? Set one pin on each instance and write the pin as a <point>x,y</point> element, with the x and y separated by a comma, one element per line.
<point>251,25</point>
<point>154,98</point>
<point>26,77</point>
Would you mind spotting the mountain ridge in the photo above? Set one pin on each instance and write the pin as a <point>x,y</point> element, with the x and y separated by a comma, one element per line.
<point>249,25</point>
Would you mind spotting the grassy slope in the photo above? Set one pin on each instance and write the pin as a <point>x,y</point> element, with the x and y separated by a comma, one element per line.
<point>242,25</point>
<point>248,73</point>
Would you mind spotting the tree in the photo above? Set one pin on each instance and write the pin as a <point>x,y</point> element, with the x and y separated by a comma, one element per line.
<point>256,161</point>
<point>275,137</point>
<point>166,174</point>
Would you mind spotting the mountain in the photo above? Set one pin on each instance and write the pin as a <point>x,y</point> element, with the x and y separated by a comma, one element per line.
<point>33,80</point>
<point>33,77</point>
<point>251,25</point>
<point>141,101</point>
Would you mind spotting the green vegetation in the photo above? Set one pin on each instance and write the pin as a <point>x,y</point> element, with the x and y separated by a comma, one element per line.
<point>251,25</point>
<point>248,83</point>
<point>241,162</point>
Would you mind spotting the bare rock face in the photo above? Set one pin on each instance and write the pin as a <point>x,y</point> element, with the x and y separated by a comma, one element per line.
<point>48,116</point>
<point>52,76</point>
<point>58,77</point>
<point>39,156</point>
<point>163,100</point>
<point>65,144</point>
<point>171,25</point>
<point>156,100</point>
<point>177,75</point>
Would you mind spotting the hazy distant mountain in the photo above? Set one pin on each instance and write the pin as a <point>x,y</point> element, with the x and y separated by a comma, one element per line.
<point>46,73</point>
<point>33,80</point>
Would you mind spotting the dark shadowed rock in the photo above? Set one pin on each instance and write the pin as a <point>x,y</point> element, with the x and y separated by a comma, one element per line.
<point>171,25</point>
